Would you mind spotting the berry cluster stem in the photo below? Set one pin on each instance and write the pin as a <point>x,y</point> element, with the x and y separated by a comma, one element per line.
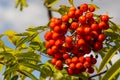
<point>97,74</point>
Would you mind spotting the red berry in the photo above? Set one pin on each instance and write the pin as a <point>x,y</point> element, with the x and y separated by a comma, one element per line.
<point>70,71</point>
<point>48,35</point>
<point>66,56</point>
<point>72,66</point>
<point>74,25</point>
<point>90,70</point>
<point>89,15</point>
<point>84,7</point>
<point>65,18</point>
<point>79,65</point>
<point>68,39</point>
<point>58,63</point>
<point>68,61</point>
<point>75,60</point>
<point>95,26</point>
<point>82,19</point>
<point>91,8</point>
<point>101,37</point>
<point>53,61</point>
<point>81,59</point>
<point>104,18</point>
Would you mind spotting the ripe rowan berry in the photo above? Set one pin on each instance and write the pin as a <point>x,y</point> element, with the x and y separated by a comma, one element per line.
<point>91,8</point>
<point>84,7</point>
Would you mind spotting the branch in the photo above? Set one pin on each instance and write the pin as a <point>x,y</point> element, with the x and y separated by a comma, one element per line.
<point>97,74</point>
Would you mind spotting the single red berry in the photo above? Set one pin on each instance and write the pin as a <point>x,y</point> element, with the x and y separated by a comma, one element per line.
<point>48,35</point>
<point>55,36</point>
<point>82,19</point>
<point>90,69</point>
<point>104,18</point>
<point>74,25</point>
<point>87,30</point>
<point>86,64</point>
<point>101,37</point>
<point>84,7</point>
<point>57,29</point>
<point>79,65</point>
<point>53,61</point>
<point>91,8</point>
<point>72,66</point>
<point>58,42</point>
<point>58,63</point>
<point>66,56</point>
<point>81,42</point>
<point>71,14</point>
<point>68,61</point>
<point>50,52</point>
<point>70,71</point>
<point>98,46</point>
<point>81,59</point>
<point>80,30</point>
<point>65,18</point>
<point>93,60</point>
<point>95,26</point>
<point>68,39</point>
<point>89,15</point>
<point>75,59</point>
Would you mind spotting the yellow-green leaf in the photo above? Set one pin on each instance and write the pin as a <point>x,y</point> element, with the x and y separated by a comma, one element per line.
<point>1,66</point>
<point>50,3</point>
<point>111,52</point>
<point>71,2</point>
<point>113,71</point>
<point>24,3</point>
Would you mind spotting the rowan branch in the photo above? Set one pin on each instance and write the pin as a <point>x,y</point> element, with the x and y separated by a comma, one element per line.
<point>97,74</point>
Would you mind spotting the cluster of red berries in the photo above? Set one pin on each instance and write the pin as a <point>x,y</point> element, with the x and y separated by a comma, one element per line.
<point>74,35</point>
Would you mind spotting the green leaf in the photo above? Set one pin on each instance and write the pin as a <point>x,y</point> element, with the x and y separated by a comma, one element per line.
<point>58,75</point>
<point>71,2</point>
<point>28,74</point>
<point>1,66</point>
<point>17,2</point>
<point>113,71</point>
<point>10,70</point>
<point>28,57</point>
<point>42,28</point>
<point>111,52</point>
<point>26,39</point>
<point>63,9</point>
<point>114,26</point>
<point>50,3</point>
<point>24,3</point>
<point>33,66</point>
<point>14,77</point>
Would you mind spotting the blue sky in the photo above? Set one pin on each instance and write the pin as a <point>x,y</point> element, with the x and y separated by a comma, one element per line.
<point>36,13</point>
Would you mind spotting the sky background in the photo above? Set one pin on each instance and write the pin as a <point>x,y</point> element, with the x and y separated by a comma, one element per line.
<point>36,14</point>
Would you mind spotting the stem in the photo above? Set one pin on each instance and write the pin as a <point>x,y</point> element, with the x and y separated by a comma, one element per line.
<point>97,74</point>
<point>48,11</point>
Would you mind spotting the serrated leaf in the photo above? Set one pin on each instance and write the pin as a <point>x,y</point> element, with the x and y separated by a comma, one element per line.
<point>33,66</point>
<point>58,75</point>
<point>114,26</point>
<point>24,3</point>
<point>71,2</point>
<point>28,74</point>
<point>1,66</point>
<point>14,77</point>
<point>17,2</point>
<point>10,70</point>
<point>111,52</point>
<point>63,9</point>
<point>96,7</point>
<point>50,3</point>
<point>113,71</point>
<point>26,39</point>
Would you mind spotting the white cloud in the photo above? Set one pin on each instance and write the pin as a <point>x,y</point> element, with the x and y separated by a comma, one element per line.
<point>33,15</point>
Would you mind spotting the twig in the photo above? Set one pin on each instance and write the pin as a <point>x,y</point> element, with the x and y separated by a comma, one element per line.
<point>97,74</point>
